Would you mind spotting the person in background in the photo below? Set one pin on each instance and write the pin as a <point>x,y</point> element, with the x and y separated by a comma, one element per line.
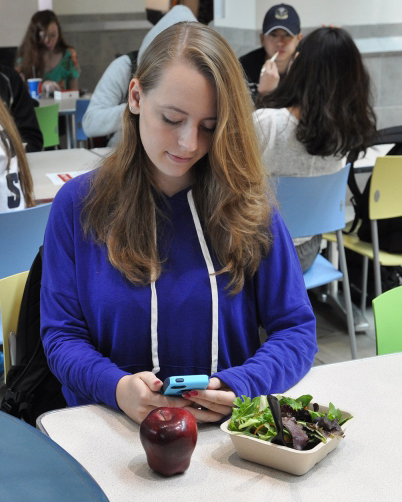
<point>280,35</point>
<point>45,54</point>
<point>104,114</point>
<point>19,103</point>
<point>173,251</point>
<point>320,113</point>
<point>16,187</point>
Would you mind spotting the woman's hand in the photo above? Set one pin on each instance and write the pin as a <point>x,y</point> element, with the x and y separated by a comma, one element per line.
<point>139,394</point>
<point>269,77</point>
<point>217,398</point>
<point>49,86</point>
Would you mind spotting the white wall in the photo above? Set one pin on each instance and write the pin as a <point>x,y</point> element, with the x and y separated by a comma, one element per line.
<point>237,13</point>
<point>14,19</point>
<point>314,12</point>
<point>97,6</point>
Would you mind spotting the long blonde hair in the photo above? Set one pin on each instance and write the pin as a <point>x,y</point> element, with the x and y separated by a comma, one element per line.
<point>230,192</point>
<point>13,142</point>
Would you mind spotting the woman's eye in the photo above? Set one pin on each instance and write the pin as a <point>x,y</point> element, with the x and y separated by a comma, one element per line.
<point>209,129</point>
<point>171,122</point>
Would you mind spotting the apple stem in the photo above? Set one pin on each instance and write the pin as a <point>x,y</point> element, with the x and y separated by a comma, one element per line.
<point>161,412</point>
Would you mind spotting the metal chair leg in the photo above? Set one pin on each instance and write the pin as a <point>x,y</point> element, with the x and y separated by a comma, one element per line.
<point>363,299</point>
<point>348,300</point>
<point>376,259</point>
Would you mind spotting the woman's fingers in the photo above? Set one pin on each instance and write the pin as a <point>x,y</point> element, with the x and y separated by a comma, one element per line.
<point>215,383</point>
<point>204,416</point>
<point>221,406</point>
<point>138,394</point>
<point>150,380</point>
<point>157,399</point>
<point>174,402</point>
<point>217,399</point>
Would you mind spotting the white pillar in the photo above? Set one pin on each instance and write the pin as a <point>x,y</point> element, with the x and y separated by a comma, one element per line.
<point>45,4</point>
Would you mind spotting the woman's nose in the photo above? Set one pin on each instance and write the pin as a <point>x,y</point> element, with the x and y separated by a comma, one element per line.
<point>188,141</point>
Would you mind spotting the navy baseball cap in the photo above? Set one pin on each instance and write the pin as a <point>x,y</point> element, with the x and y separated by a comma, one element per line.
<point>281,16</point>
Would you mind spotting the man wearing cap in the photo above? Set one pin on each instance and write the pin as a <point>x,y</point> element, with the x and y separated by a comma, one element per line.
<point>279,39</point>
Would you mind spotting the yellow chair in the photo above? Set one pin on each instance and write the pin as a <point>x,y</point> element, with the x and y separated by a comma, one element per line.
<point>385,201</point>
<point>11,290</point>
<point>48,119</point>
<point>388,321</point>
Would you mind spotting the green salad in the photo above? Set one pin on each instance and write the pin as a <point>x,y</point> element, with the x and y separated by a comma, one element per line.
<point>304,428</point>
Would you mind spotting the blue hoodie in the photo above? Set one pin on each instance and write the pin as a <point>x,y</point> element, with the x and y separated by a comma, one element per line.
<point>96,326</point>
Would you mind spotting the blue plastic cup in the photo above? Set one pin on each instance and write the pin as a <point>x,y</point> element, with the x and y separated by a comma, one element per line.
<point>35,87</point>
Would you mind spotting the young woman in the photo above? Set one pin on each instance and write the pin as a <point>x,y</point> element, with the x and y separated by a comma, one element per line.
<point>320,113</point>
<point>45,54</point>
<point>16,185</point>
<point>167,259</point>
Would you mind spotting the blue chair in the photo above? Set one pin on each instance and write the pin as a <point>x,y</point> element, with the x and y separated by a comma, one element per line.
<point>315,205</point>
<point>22,234</point>
<point>80,109</point>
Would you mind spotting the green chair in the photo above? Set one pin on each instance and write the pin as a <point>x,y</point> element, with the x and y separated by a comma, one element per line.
<point>387,310</point>
<point>48,118</point>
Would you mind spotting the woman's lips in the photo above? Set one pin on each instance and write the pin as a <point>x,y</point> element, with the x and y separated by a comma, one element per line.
<point>177,159</point>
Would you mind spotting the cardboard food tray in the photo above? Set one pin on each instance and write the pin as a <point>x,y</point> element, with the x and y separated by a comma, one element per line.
<point>67,94</point>
<point>281,457</point>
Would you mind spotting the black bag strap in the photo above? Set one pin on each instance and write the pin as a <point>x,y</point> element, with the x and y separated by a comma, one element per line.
<point>356,193</point>
<point>28,320</point>
<point>381,137</point>
<point>133,58</point>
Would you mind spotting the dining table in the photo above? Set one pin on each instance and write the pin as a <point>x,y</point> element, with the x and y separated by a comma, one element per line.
<point>52,168</point>
<point>67,108</point>
<point>364,467</point>
<point>103,151</point>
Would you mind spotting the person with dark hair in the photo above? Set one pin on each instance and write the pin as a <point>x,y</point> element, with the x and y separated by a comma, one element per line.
<point>45,54</point>
<point>281,33</point>
<point>19,103</point>
<point>320,113</point>
<point>173,252</point>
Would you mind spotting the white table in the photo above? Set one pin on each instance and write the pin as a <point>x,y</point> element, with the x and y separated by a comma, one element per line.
<point>362,468</point>
<point>67,108</point>
<point>76,160</point>
<point>102,151</point>
<point>365,163</point>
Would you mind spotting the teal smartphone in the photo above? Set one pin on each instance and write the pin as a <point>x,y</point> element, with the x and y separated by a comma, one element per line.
<point>176,385</point>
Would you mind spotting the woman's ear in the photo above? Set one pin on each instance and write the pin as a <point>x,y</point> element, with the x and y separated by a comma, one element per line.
<point>134,96</point>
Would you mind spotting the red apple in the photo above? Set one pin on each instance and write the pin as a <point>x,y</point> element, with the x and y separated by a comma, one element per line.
<point>169,436</point>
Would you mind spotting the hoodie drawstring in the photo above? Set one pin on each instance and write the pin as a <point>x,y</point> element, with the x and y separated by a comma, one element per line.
<point>214,292</point>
